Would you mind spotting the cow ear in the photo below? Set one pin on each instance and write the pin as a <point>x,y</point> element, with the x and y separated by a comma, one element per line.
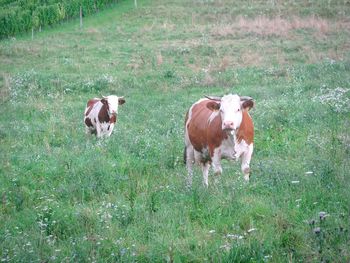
<point>213,106</point>
<point>247,104</point>
<point>121,100</point>
<point>104,100</point>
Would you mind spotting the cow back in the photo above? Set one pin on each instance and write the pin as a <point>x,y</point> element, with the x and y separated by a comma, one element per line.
<point>90,104</point>
<point>204,127</point>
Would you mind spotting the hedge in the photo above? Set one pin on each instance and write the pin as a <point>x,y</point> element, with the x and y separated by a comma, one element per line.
<point>18,16</point>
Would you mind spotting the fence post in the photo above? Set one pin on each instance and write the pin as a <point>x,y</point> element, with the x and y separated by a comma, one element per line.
<point>81,17</point>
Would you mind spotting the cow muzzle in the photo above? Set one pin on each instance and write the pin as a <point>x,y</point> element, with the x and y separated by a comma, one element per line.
<point>228,125</point>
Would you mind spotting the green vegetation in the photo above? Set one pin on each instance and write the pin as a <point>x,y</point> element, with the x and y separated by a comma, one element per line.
<point>66,196</point>
<point>18,16</point>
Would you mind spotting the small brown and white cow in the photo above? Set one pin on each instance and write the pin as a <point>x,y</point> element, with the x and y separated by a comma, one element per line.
<point>101,115</point>
<point>219,128</point>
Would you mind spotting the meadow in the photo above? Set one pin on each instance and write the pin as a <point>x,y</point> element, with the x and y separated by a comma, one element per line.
<point>68,197</point>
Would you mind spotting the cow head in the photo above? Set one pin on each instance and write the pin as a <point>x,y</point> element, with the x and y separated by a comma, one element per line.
<point>230,109</point>
<point>112,103</point>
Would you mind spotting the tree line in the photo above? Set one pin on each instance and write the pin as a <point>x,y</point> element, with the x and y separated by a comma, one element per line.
<point>18,16</point>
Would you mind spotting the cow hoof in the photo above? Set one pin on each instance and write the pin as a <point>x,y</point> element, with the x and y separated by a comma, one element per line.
<point>246,172</point>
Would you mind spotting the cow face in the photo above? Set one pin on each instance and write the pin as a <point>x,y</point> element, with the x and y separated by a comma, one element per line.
<point>230,109</point>
<point>113,102</point>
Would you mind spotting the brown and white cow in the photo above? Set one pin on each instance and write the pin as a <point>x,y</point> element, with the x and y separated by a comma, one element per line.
<point>101,115</point>
<point>219,128</point>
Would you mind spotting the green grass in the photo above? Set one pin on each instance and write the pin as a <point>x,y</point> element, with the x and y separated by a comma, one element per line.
<point>66,196</point>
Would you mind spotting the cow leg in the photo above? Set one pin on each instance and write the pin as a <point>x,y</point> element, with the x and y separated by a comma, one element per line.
<point>246,157</point>
<point>189,163</point>
<point>217,162</point>
<point>98,130</point>
<point>205,171</point>
<point>110,130</point>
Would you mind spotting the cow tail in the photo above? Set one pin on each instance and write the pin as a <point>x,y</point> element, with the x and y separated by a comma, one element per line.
<point>185,148</point>
<point>185,155</point>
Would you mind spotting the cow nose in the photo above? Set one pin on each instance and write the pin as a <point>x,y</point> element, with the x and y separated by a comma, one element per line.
<point>228,125</point>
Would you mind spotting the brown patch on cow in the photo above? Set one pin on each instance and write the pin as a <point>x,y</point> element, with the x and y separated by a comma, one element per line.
<point>203,133</point>
<point>198,125</point>
<point>213,106</point>
<point>90,104</point>
<point>103,114</point>
<point>215,134</point>
<point>88,122</point>
<point>113,119</point>
<point>248,104</point>
<point>246,130</point>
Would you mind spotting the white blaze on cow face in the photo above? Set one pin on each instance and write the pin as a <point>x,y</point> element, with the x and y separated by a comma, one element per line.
<point>113,103</point>
<point>230,111</point>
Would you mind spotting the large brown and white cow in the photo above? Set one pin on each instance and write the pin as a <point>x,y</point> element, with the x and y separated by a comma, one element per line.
<point>219,128</point>
<point>101,115</point>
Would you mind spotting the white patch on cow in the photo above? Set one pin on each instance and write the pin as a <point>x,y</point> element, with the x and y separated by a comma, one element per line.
<point>111,129</point>
<point>113,103</point>
<point>95,108</point>
<point>205,170</point>
<point>225,151</point>
<point>228,148</point>
<point>231,113</point>
<point>213,116</point>
<point>244,151</point>
<point>105,128</point>
<point>216,161</point>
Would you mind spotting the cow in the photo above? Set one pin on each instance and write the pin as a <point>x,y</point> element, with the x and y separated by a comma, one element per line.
<point>219,128</point>
<point>100,115</point>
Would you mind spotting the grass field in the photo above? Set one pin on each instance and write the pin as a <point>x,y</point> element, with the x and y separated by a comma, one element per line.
<point>68,197</point>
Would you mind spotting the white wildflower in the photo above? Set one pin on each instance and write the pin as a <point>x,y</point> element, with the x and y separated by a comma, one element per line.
<point>251,230</point>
